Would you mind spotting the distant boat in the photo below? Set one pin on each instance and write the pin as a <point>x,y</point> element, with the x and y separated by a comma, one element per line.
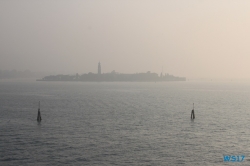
<point>39,118</point>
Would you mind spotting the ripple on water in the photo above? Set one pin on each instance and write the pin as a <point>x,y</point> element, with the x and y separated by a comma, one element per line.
<point>122,124</point>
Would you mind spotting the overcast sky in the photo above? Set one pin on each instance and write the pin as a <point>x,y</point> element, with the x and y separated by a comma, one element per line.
<point>191,38</point>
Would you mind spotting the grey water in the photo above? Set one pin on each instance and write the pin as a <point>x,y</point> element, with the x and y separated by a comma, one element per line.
<point>124,123</point>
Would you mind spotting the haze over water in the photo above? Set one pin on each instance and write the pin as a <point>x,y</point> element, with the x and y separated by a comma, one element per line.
<point>123,123</point>
<point>193,39</point>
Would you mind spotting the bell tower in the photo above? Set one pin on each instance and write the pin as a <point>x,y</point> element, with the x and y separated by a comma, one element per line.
<point>99,68</point>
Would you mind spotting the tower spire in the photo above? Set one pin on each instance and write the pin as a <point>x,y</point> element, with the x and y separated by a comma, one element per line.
<point>99,68</point>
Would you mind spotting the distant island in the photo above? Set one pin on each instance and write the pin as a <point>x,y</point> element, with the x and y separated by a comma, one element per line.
<point>15,74</point>
<point>113,77</point>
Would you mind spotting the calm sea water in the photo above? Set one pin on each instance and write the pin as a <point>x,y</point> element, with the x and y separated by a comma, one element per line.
<point>124,123</point>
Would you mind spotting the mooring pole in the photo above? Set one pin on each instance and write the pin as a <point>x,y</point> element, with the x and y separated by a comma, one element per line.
<point>39,118</point>
<point>192,113</point>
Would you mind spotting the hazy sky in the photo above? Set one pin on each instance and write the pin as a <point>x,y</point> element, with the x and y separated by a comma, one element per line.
<point>191,38</point>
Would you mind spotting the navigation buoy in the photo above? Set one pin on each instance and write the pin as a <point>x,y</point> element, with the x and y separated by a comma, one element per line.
<point>39,117</point>
<point>192,113</point>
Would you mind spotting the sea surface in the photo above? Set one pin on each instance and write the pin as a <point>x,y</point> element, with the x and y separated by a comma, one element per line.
<point>124,123</point>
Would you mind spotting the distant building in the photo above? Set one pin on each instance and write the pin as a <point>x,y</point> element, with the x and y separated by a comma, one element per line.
<point>99,68</point>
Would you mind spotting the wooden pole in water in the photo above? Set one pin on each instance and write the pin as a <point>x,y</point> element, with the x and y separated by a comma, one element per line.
<point>39,118</point>
<point>192,113</point>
